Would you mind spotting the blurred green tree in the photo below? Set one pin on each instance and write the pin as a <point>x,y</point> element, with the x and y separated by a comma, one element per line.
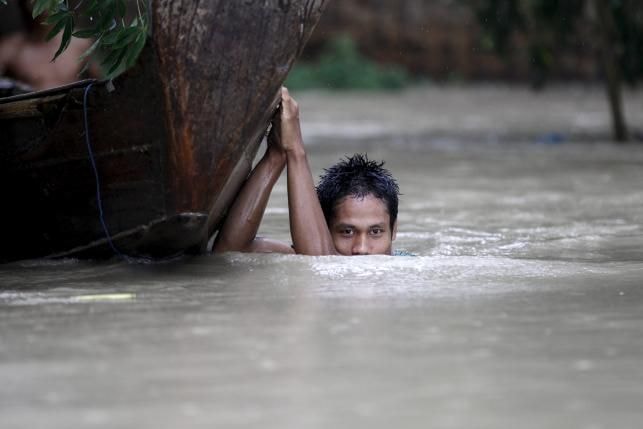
<point>550,25</point>
<point>342,66</point>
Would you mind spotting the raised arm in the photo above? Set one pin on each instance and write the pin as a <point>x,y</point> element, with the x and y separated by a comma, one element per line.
<point>239,229</point>
<point>308,226</point>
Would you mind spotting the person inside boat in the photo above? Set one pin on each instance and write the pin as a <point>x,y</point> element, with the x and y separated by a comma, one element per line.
<point>25,55</point>
<point>353,210</point>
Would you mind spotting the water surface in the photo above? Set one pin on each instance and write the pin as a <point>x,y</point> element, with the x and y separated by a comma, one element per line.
<point>523,308</point>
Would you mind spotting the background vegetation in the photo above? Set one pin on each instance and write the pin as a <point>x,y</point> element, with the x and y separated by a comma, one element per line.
<point>615,27</point>
<point>389,44</point>
<point>342,66</point>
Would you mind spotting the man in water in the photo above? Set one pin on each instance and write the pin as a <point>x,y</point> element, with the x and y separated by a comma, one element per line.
<point>353,211</point>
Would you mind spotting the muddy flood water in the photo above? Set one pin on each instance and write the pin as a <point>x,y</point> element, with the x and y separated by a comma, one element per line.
<point>522,309</point>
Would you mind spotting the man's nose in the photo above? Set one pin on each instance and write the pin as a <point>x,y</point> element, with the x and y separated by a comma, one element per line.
<point>360,245</point>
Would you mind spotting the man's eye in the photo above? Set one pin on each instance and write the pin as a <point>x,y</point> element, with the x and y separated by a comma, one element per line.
<point>346,231</point>
<point>377,231</point>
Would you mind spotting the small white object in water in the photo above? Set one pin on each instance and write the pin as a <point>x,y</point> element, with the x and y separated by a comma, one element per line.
<point>103,297</point>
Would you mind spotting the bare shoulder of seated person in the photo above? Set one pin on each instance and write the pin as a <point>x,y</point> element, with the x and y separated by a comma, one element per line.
<point>30,61</point>
<point>353,211</point>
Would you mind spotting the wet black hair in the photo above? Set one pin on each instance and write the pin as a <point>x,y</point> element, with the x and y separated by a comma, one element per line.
<point>357,177</point>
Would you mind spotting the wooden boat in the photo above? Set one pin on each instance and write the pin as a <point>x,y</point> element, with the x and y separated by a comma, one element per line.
<point>173,140</point>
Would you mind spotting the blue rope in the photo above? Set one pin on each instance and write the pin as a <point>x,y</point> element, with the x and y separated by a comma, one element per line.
<point>99,199</point>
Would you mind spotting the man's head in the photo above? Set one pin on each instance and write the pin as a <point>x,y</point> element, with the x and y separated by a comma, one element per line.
<point>359,199</point>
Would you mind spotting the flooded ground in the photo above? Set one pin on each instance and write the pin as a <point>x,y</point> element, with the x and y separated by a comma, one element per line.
<point>523,308</point>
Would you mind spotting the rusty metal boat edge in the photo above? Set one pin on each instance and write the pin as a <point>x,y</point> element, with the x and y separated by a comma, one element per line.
<point>172,141</point>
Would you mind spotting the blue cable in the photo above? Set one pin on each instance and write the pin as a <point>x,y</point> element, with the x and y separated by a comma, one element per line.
<point>99,199</point>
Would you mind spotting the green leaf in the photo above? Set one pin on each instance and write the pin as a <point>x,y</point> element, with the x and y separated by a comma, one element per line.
<point>121,8</point>
<point>126,36</point>
<point>84,68</point>
<point>69,26</point>
<point>55,18</point>
<point>117,63</point>
<point>91,49</point>
<point>136,49</point>
<point>112,36</point>
<point>57,29</point>
<point>86,34</point>
<point>110,58</point>
<point>39,6</point>
<point>106,23</point>
<point>108,16</point>
<point>92,8</point>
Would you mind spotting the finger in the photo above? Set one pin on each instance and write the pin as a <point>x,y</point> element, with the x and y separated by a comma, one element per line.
<point>285,94</point>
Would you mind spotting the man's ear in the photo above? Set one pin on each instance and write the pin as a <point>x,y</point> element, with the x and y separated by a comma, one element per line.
<point>394,234</point>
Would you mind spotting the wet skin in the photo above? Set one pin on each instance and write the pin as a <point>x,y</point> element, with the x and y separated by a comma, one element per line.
<point>361,226</point>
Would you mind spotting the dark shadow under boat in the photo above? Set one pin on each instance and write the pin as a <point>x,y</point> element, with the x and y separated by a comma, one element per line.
<point>173,138</point>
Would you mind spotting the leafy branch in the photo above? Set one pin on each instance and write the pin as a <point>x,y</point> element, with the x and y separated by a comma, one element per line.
<point>119,41</point>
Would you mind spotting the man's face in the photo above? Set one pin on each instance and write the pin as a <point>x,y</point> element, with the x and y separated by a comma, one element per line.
<point>361,226</point>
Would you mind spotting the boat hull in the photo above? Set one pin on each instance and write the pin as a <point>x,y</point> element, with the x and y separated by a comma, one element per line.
<point>173,140</point>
